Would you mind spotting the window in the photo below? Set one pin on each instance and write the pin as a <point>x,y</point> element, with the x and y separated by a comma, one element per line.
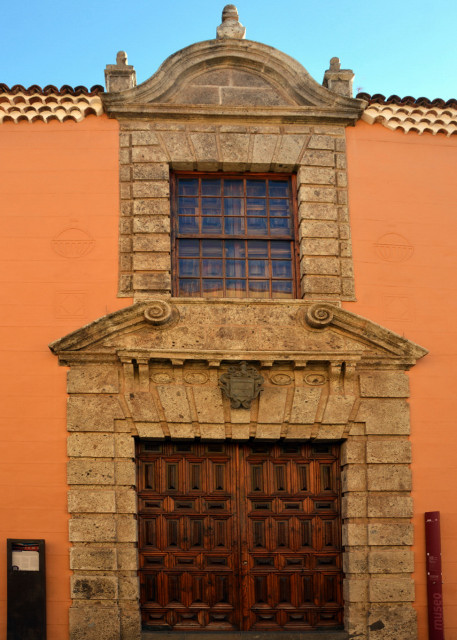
<point>233,236</point>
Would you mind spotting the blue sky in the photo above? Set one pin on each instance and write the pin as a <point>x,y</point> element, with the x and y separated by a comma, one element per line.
<point>394,47</point>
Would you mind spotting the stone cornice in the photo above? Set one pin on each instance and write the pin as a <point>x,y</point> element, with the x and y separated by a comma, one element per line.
<point>274,115</point>
<point>319,332</point>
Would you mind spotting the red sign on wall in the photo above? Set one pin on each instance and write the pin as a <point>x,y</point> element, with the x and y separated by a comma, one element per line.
<point>434,576</point>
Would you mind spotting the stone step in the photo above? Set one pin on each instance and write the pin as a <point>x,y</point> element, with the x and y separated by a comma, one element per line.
<point>245,635</point>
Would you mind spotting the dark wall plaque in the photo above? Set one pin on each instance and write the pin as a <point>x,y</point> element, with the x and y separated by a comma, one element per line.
<point>26,590</point>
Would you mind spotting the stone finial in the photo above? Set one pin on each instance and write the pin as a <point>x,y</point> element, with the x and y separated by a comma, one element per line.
<point>230,27</point>
<point>337,79</point>
<point>120,76</point>
<point>121,59</point>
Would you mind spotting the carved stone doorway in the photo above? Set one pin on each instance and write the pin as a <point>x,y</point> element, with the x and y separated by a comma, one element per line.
<point>239,536</point>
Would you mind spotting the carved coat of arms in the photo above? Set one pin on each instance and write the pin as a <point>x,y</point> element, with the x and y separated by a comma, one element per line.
<point>241,384</point>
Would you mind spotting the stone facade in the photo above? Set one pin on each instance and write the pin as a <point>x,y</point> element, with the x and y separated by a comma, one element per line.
<point>152,370</point>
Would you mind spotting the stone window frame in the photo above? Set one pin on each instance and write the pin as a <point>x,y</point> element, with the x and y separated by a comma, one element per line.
<point>150,151</point>
<point>294,235</point>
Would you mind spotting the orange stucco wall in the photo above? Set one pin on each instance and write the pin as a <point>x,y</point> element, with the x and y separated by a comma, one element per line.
<point>60,181</point>
<point>406,185</point>
<point>55,179</point>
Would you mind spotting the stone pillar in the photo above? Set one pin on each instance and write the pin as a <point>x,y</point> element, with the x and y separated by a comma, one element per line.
<point>337,79</point>
<point>324,233</point>
<point>377,510</point>
<point>120,76</point>
<point>102,506</point>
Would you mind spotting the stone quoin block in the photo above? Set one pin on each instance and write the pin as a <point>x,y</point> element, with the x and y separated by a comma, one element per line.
<point>87,558</point>
<point>92,413</point>
<point>92,529</point>
<point>391,560</point>
<point>94,587</point>
<point>94,622</point>
<point>391,589</point>
<point>388,477</point>
<point>93,378</point>
<point>87,501</point>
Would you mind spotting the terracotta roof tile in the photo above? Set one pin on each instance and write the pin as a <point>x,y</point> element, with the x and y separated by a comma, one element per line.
<point>45,104</point>
<point>408,114</point>
<point>51,89</point>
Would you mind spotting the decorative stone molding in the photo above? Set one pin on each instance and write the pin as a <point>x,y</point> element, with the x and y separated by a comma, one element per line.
<point>159,312</point>
<point>186,85</point>
<point>241,384</point>
<point>319,316</point>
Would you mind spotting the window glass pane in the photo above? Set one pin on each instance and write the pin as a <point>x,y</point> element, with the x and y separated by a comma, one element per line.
<point>234,226</point>
<point>279,208</point>
<point>257,226</point>
<point>212,288</point>
<point>216,216</point>
<point>189,287</point>
<point>212,248</point>
<point>188,186</point>
<point>211,206</point>
<point>235,249</point>
<point>233,187</point>
<point>281,249</point>
<point>280,226</point>
<point>256,188</point>
<point>188,206</point>
<point>235,268</point>
<point>256,206</point>
<point>258,268</point>
<point>211,187</point>
<point>281,268</point>
<point>278,188</point>
<point>258,289</point>
<point>188,224</point>
<point>235,288</point>
<point>211,225</point>
<point>258,249</point>
<point>211,267</point>
<point>233,207</point>
<point>188,247</point>
<point>189,267</point>
<point>281,289</point>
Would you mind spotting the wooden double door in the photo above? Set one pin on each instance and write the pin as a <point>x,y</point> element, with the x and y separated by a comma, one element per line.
<point>239,536</point>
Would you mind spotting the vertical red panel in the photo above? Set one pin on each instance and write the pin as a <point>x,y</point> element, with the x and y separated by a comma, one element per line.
<point>434,576</point>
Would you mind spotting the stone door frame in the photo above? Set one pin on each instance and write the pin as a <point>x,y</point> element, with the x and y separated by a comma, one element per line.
<point>361,400</point>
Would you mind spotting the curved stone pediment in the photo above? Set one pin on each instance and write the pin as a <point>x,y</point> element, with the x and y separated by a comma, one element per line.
<point>290,331</point>
<point>230,74</point>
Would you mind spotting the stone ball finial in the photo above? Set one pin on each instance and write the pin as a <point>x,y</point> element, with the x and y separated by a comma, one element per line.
<point>335,64</point>
<point>230,27</point>
<point>121,59</point>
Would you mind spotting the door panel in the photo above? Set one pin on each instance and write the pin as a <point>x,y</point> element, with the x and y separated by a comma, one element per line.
<point>236,536</point>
